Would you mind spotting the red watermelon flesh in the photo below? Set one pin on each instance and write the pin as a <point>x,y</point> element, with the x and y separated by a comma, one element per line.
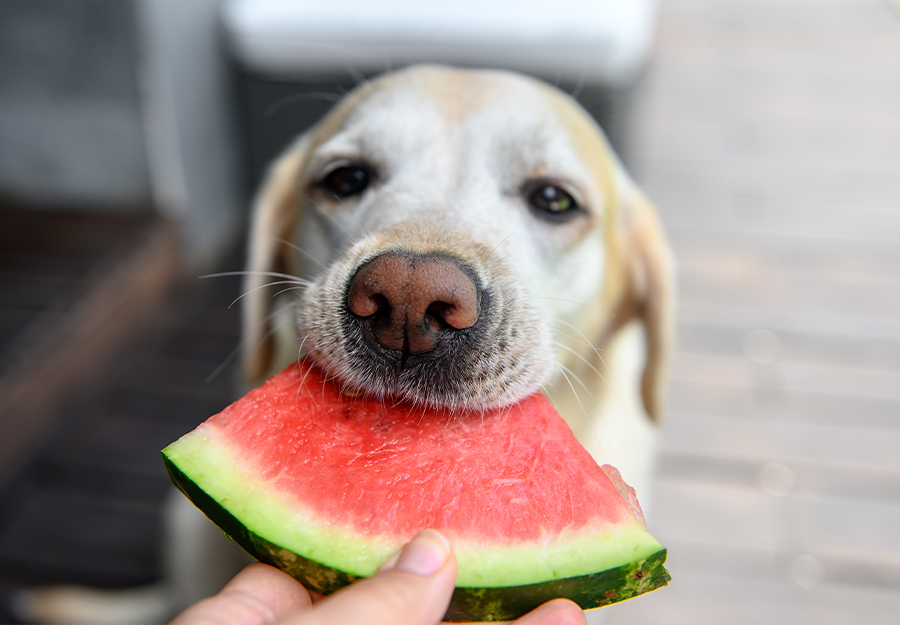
<point>328,485</point>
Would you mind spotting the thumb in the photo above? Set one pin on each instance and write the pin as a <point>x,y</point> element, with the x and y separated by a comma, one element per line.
<point>412,588</point>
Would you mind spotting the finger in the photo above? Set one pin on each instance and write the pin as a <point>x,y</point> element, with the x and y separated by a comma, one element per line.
<point>413,589</point>
<point>258,595</point>
<point>556,612</point>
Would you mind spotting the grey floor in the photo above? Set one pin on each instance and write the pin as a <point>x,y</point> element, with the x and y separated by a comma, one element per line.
<point>768,134</point>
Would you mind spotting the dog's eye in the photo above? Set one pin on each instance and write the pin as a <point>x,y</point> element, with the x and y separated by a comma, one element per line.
<point>552,201</point>
<point>346,181</point>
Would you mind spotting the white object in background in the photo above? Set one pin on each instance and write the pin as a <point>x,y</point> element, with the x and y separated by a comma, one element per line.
<point>603,42</point>
<point>191,149</point>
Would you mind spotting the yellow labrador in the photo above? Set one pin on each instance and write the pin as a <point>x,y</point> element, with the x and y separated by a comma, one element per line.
<point>458,239</point>
<point>463,239</point>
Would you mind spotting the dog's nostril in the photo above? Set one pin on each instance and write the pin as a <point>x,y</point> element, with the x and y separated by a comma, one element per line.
<point>409,302</point>
<point>458,315</point>
<point>436,315</point>
<point>364,304</point>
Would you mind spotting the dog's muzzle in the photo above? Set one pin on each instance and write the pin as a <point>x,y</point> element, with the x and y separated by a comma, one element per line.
<point>412,306</point>
<point>429,327</point>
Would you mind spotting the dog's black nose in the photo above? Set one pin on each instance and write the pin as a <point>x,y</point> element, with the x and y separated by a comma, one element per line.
<point>410,303</point>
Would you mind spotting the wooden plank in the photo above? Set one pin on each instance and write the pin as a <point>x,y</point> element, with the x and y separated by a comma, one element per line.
<point>863,412</point>
<point>765,439</point>
<point>727,211</point>
<point>710,599</point>
<point>94,330</point>
<point>832,379</point>
<point>768,134</point>
<point>688,159</point>
<point>708,513</point>
<point>721,313</point>
<point>103,459</point>
<point>818,477</point>
<point>95,544</point>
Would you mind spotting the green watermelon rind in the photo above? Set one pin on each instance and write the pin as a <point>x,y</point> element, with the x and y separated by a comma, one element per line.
<point>468,603</point>
<point>233,478</point>
<point>315,576</point>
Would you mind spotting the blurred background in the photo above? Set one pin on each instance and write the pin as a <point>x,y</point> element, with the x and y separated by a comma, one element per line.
<point>767,132</point>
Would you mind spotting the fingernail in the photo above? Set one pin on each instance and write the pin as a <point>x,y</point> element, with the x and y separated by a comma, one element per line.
<point>425,555</point>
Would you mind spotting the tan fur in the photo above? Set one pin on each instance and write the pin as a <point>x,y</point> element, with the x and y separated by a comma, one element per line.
<point>274,216</point>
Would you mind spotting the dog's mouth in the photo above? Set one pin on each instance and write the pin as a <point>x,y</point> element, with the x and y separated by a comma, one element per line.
<point>424,328</point>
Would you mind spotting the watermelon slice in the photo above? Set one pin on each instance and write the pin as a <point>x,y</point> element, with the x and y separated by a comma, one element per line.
<point>327,485</point>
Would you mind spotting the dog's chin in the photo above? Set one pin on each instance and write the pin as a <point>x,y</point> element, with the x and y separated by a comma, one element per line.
<point>447,381</point>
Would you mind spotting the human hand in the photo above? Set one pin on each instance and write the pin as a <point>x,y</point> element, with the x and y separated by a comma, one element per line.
<point>412,588</point>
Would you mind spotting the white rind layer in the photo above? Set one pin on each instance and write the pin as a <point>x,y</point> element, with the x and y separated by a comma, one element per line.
<point>208,460</point>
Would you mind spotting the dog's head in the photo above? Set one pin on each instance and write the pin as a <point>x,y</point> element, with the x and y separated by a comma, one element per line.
<point>461,238</point>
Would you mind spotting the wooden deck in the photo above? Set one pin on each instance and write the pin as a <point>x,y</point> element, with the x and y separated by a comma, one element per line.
<point>81,482</point>
<point>769,136</point>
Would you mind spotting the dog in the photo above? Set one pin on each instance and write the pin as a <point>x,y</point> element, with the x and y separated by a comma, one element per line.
<point>459,240</point>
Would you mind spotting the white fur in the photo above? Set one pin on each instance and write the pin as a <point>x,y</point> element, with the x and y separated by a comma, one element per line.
<point>452,152</point>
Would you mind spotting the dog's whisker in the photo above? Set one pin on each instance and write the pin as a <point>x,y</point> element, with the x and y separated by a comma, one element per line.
<point>268,274</point>
<point>579,341</point>
<point>536,330</point>
<point>610,386</point>
<point>563,370</point>
<point>504,413</point>
<point>226,362</point>
<point>591,426</point>
<point>334,220</point>
<point>300,250</point>
<point>586,342</point>
<point>357,76</point>
<point>502,241</point>
<point>325,380</point>
<point>304,377</point>
<point>297,284</point>
<point>309,393</point>
<point>583,359</point>
<point>397,401</point>
<point>421,416</point>
<point>300,348</point>
<point>577,379</point>
<point>293,288</point>
<point>545,389</point>
<point>596,349</point>
<point>582,81</point>
<point>362,229</point>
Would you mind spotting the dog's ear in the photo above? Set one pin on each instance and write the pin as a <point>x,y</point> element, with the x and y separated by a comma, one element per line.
<point>649,291</point>
<point>274,217</point>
